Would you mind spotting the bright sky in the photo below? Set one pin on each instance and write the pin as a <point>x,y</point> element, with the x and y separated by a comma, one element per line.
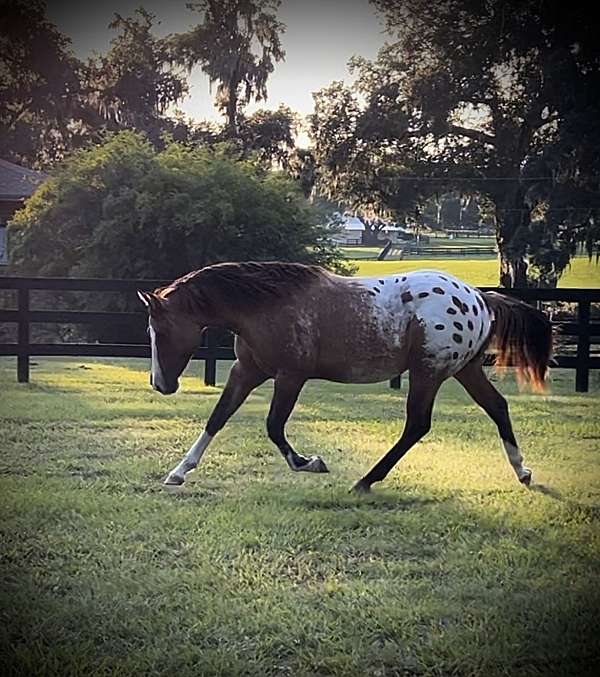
<point>321,37</point>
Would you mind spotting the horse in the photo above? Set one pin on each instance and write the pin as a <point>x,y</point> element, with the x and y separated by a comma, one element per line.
<point>294,322</point>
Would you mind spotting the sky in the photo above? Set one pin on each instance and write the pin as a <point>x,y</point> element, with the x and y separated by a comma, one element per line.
<point>321,37</point>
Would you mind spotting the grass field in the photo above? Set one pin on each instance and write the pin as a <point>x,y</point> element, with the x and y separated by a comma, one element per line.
<point>484,272</point>
<point>449,568</point>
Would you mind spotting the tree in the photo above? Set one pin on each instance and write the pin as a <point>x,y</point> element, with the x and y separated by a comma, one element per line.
<point>134,85</point>
<point>472,96</point>
<point>41,114</point>
<point>270,135</point>
<point>123,209</point>
<point>236,45</point>
<point>364,158</point>
<point>302,166</point>
<point>51,103</point>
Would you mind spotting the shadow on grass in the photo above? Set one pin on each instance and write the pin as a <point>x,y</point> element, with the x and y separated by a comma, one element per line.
<point>546,490</point>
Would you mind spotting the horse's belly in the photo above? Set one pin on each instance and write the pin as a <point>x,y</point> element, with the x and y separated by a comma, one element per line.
<point>372,369</point>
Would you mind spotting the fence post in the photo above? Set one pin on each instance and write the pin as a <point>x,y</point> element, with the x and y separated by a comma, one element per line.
<point>582,374</point>
<point>396,383</point>
<point>210,364</point>
<point>23,336</point>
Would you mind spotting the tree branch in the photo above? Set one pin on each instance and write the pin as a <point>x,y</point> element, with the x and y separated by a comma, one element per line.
<point>473,134</point>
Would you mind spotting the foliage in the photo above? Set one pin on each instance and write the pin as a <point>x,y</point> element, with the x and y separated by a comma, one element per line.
<point>450,568</point>
<point>269,135</point>
<point>51,103</point>
<point>123,209</point>
<point>484,98</point>
<point>236,44</point>
<point>302,166</point>
<point>41,112</point>
<point>134,85</point>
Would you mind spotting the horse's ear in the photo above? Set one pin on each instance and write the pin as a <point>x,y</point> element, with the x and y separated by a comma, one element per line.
<point>152,302</point>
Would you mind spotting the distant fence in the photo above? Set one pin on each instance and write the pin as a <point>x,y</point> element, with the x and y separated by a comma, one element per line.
<point>451,251</point>
<point>583,329</point>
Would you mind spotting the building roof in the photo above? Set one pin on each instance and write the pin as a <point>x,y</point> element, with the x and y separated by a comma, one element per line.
<point>18,182</point>
<point>353,223</point>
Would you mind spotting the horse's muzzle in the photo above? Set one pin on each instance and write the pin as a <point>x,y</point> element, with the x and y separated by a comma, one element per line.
<point>163,388</point>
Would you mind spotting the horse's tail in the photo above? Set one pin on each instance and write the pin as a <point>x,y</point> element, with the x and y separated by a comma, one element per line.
<point>521,337</point>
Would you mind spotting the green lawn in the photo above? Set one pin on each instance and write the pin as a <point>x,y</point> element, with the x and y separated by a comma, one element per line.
<point>449,568</point>
<point>361,252</point>
<point>484,272</point>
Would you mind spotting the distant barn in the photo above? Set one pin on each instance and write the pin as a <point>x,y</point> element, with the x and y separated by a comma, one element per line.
<point>16,185</point>
<point>351,229</point>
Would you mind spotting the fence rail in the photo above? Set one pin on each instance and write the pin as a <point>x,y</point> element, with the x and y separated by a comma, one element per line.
<point>586,331</point>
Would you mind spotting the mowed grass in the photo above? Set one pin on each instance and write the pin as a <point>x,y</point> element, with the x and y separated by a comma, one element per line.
<point>449,568</point>
<point>479,271</point>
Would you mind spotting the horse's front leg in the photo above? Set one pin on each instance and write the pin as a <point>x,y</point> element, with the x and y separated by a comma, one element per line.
<point>285,395</point>
<point>243,378</point>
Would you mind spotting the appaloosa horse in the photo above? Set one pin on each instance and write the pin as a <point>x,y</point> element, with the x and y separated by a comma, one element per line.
<point>294,322</point>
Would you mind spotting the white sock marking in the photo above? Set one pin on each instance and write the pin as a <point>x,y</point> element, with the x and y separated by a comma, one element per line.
<point>191,460</point>
<point>515,458</point>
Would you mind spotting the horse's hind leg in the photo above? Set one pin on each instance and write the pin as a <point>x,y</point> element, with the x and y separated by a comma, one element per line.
<point>243,378</point>
<point>285,395</point>
<point>476,383</point>
<point>419,406</point>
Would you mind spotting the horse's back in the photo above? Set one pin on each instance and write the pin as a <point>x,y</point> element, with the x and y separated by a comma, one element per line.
<point>453,317</point>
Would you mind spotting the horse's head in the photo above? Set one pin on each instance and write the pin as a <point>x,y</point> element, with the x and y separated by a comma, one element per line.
<point>174,335</point>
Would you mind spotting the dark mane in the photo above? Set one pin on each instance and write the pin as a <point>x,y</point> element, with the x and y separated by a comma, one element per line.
<point>243,285</point>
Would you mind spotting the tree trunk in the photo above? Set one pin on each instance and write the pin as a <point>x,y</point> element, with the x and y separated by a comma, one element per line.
<point>512,223</point>
<point>513,272</point>
<point>370,236</point>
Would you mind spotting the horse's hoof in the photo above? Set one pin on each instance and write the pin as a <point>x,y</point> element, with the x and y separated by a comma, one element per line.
<point>174,480</point>
<point>525,477</point>
<point>361,487</point>
<point>316,464</point>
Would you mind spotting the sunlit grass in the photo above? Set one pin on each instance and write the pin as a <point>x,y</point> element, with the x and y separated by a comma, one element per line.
<point>451,567</point>
<point>482,272</point>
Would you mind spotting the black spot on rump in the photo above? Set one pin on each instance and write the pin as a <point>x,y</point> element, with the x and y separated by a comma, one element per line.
<point>475,310</point>
<point>457,302</point>
<point>457,338</point>
<point>396,281</point>
<point>404,279</point>
<point>443,278</point>
<point>465,309</point>
<point>423,294</point>
<point>470,325</point>
<point>451,311</point>
<point>372,293</point>
<point>406,297</point>
<point>438,290</point>
<point>439,326</point>
<point>480,302</point>
<point>459,326</point>
<point>381,281</point>
<point>455,355</point>
<point>467,290</point>
<point>470,344</point>
<point>377,290</point>
<point>455,284</point>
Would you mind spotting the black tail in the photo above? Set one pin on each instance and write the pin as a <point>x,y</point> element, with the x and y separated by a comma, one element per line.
<point>521,338</point>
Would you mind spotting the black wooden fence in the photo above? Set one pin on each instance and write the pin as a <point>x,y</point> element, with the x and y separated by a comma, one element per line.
<point>583,329</point>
